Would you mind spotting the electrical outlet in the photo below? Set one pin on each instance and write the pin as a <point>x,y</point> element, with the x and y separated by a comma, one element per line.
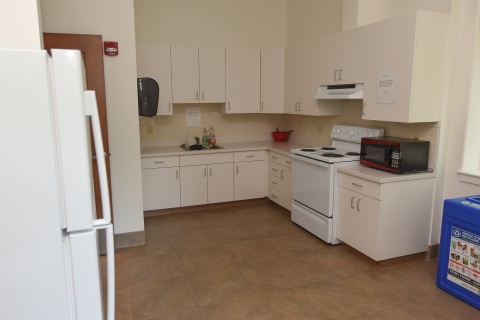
<point>149,129</point>
<point>417,137</point>
<point>319,128</point>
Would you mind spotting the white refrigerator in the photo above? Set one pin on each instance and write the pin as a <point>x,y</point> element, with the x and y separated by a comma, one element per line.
<point>49,259</point>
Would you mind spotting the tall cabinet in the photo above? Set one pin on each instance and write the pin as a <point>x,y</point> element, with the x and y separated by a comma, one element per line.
<point>272,73</point>
<point>153,61</point>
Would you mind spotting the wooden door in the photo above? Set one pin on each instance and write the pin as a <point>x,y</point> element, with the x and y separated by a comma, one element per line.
<point>220,182</point>
<point>185,74</point>
<point>347,216</point>
<point>328,59</point>
<point>272,80</point>
<point>367,231</point>
<point>354,42</point>
<point>91,47</point>
<point>193,185</point>
<point>212,74</point>
<point>161,188</point>
<point>292,78</point>
<point>249,180</point>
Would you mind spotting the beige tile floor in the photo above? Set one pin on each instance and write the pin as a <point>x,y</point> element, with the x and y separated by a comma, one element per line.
<point>252,262</point>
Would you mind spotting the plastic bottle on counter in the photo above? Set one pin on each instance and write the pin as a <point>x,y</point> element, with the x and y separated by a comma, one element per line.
<point>205,138</point>
<point>211,138</point>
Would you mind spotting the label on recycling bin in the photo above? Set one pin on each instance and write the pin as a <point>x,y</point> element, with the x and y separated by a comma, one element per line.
<point>464,259</point>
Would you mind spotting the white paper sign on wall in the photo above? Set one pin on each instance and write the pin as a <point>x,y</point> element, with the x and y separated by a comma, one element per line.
<point>386,87</point>
<point>194,117</point>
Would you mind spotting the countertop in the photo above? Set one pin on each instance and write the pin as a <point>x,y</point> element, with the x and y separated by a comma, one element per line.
<point>280,147</point>
<point>380,176</point>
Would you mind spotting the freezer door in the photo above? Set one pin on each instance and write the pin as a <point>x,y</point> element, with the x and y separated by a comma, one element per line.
<point>85,274</point>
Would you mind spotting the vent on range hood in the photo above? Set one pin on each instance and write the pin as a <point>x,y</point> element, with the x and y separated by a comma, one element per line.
<point>340,91</point>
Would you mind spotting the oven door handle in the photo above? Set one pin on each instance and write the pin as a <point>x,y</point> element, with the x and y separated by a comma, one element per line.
<point>315,162</point>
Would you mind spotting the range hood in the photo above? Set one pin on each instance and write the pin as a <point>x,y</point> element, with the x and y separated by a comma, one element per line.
<point>340,91</point>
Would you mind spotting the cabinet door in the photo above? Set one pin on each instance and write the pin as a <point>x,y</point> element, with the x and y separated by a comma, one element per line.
<point>249,180</point>
<point>292,78</point>
<point>242,80</point>
<point>193,185</point>
<point>390,48</point>
<point>212,74</point>
<point>220,182</point>
<point>161,188</point>
<point>352,65</point>
<point>286,188</point>
<point>272,80</point>
<point>347,216</point>
<point>368,225</point>
<point>185,74</point>
<point>153,61</point>
<point>329,59</point>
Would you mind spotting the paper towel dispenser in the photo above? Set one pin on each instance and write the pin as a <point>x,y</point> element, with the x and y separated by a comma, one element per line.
<point>148,95</point>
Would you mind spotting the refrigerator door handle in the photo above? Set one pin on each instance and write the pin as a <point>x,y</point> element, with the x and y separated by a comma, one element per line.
<point>110,270</point>
<point>91,110</point>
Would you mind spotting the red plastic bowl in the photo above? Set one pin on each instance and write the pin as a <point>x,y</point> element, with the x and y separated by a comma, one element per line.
<point>281,136</point>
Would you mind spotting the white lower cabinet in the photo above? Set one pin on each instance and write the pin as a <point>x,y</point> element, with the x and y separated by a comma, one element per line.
<point>193,184</point>
<point>249,177</point>
<point>280,179</point>
<point>220,182</point>
<point>384,220</point>
<point>161,188</point>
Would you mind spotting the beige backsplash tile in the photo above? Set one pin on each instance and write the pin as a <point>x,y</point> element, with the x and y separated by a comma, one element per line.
<point>307,129</point>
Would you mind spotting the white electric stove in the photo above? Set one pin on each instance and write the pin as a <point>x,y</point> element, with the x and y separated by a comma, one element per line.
<point>315,179</point>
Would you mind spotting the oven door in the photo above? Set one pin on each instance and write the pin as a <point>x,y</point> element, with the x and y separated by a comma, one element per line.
<point>377,154</point>
<point>312,184</point>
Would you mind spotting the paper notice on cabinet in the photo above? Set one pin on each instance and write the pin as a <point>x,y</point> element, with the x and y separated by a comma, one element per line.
<point>194,117</point>
<point>386,87</point>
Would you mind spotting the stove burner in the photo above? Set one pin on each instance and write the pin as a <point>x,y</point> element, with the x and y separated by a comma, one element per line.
<point>332,155</point>
<point>328,148</point>
<point>352,154</point>
<point>308,150</point>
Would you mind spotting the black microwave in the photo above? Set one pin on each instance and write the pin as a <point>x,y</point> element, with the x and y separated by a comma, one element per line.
<point>393,154</point>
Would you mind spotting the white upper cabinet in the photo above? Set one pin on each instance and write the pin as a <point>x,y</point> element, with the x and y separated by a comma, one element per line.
<point>342,57</point>
<point>272,80</point>
<point>185,74</point>
<point>292,78</point>
<point>242,81</point>
<point>153,61</point>
<point>212,74</point>
<point>412,47</point>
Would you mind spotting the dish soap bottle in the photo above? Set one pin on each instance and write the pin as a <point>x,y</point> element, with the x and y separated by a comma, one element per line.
<point>212,139</point>
<point>204,138</point>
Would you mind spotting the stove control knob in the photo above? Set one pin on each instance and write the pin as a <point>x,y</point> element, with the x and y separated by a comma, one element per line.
<point>351,133</point>
<point>334,131</point>
<point>338,131</point>
<point>365,135</point>
<point>370,134</point>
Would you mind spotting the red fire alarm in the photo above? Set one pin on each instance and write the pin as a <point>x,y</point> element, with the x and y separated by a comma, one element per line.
<point>110,48</point>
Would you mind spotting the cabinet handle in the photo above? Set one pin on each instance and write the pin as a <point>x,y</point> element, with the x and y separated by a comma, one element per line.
<point>300,106</point>
<point>288,161</point>
<point>274,170</point>
<point>335,75</point>
<point>274,157</point>
<point>281,174</point>
<point>177,174</point>
<point>262,105</point>
<point>358,204</point>
<point>203,97</point>
<point>169,107</point>
<point>340,75</point>
<point>273,182</point>
<point>351,203</point>
<point>229,106</point>
<point>357,185</point>
<point>197,94</point>
<point>210,172</point>
<point>204,172</point>
<point>159,161</point>
<point>250,156</point>
<point>273,195</point>
<point>296,106</point>
<point>237,169</point>
<point>363,109</point>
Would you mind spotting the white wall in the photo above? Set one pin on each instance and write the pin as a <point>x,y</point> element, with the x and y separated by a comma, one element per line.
<point>392,8</point>
<point>225,23</point>
<point>310,19</point>
<point>114,20</point>
<point>20,25</point>
<point>456,107</point>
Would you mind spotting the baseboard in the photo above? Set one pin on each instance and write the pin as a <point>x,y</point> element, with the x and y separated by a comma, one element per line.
<point>129,239</point>
<point>231,204</point>
<point>432,251</point>
<point>389,262</point>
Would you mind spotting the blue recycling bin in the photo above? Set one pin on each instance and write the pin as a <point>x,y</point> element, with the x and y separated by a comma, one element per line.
<point>459,256</point>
